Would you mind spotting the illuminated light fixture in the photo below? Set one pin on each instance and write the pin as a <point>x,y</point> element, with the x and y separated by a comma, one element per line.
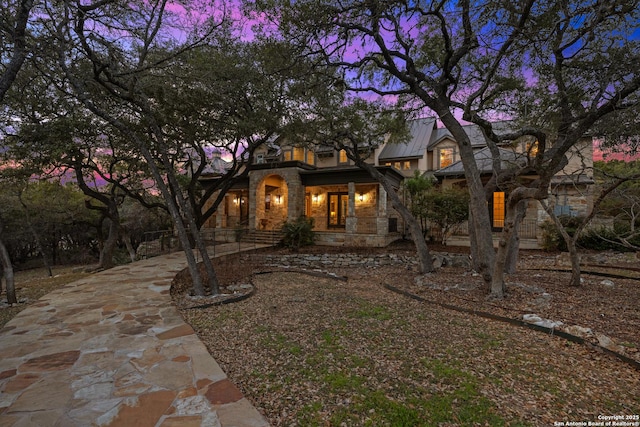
<point>235,200</point>
<point>315,198</point>
<point>278,198</point>
<point>361,197</point>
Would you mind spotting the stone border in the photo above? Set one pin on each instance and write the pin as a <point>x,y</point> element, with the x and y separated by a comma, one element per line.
<point>551,331</point>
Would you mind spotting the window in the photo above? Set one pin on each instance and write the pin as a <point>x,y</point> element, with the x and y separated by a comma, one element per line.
<point>396,165</point>
<point>338,205</point>
<point>497,210</point>
<point>342,157</point>
<point>259,158</point>
<point>310,158</point>
<point>406,165</point>
<point>532,149</point>
<point>445,157</point>
<point>298,154</point>
<point>387,164</point>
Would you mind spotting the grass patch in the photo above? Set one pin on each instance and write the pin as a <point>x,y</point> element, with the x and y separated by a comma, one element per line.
<point>369,310</point>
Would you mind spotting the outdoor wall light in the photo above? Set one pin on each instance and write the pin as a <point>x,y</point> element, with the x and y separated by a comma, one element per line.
<point>315,198</point>
<point>235,200</point>
<point>278,198</point>
<point>361,197</point>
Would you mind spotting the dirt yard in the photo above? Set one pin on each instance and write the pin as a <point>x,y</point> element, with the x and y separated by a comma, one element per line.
<point>310,349</point>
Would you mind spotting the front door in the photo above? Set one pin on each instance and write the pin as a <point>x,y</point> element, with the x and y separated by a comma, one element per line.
<point>338,205</point>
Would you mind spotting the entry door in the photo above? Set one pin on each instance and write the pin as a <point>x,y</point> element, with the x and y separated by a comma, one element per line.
<point>338,206</point>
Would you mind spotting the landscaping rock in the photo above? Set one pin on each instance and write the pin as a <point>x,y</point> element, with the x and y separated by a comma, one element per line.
<point>608,343</point>
<point>539,321</point>
<point>607,283</point>
<point>579,331</point>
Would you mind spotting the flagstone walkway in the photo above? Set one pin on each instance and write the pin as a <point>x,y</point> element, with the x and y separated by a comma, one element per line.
<point>112,350</point>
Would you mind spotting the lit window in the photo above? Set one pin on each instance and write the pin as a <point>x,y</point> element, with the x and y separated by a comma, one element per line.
<point>298,154</point>
<point>406,165</point>
<point>287,155</point>
<point>396,165</point>
<point>446,156</point>
<point>532,149</point>
<point>342,157</point>
<point>310,157</point>
<point>498,209</point>
<point>388,164</point>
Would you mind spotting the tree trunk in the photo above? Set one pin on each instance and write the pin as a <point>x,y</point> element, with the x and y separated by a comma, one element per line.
<point>212,278</point>
<point>574,256</point>
<point>474,247</point>
<point>127,242</point>
<point>425,262</point>
<point>110,244</point>
<point>479,221</point>
<point>513,251</point>
<point>497,283</point>
<point>575,263</point>
<point>8,274</point>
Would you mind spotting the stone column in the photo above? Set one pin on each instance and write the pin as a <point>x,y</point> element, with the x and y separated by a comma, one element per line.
<point>221,213</point>
<point>382,201</point>
<point>254,179</point>
<point>352,221</point>
<point>295,194</point>
<point>382,221</point>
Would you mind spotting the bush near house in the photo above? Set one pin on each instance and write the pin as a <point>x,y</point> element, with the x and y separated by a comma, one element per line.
<point>599,239</point>
<point>298,233</point>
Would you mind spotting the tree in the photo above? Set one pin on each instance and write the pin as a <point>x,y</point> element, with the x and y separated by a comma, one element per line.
<point>14,20</point>
<point>469,59</point>
<point>417,188</point>
<point>240,96</point>
<point>448,208</point>
<point>619,184</point>
<point>13,38</point>
<point>358,127</point>
<point>112,74</point>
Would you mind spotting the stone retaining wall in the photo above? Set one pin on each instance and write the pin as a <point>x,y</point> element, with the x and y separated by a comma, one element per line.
<point>359,260</point>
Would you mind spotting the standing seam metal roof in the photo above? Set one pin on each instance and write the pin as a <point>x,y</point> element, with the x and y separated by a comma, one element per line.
<point>421,130</point>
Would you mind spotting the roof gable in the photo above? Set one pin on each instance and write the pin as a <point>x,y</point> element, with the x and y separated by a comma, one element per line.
<point>484,160</point>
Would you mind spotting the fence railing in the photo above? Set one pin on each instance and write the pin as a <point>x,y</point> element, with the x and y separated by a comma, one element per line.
<point>528,229</point>
<point>165,241</point>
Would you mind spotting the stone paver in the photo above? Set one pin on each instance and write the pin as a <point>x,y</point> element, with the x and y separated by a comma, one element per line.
<point>112,350</point>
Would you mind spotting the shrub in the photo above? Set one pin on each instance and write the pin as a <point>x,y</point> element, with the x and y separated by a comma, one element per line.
<point>298,233</point>
<point>552,239</point>
<point>600,239</point>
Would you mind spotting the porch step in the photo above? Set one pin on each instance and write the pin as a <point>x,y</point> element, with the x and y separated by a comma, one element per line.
<point>268,237</point>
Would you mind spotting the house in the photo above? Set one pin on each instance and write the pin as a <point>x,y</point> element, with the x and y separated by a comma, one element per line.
<point>350,208</point>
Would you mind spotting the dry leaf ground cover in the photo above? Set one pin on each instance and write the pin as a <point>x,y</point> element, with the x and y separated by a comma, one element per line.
<point>309,350</point>
<point>33,284</point>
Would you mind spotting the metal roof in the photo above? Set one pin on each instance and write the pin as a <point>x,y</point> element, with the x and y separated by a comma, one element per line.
<point>484,160</point>
<point>421,130</point>
<point>474,132</point>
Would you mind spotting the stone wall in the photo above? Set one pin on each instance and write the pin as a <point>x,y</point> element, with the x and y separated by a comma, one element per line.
<point>323,261</point>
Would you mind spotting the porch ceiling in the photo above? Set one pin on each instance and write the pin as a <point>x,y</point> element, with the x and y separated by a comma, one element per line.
<point>342,175</point>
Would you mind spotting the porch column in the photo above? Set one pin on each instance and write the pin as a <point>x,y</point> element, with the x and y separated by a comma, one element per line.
<point>351,221</point>
<point>221,213</point>
<point>382,220</point>
<point>382,201</point>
